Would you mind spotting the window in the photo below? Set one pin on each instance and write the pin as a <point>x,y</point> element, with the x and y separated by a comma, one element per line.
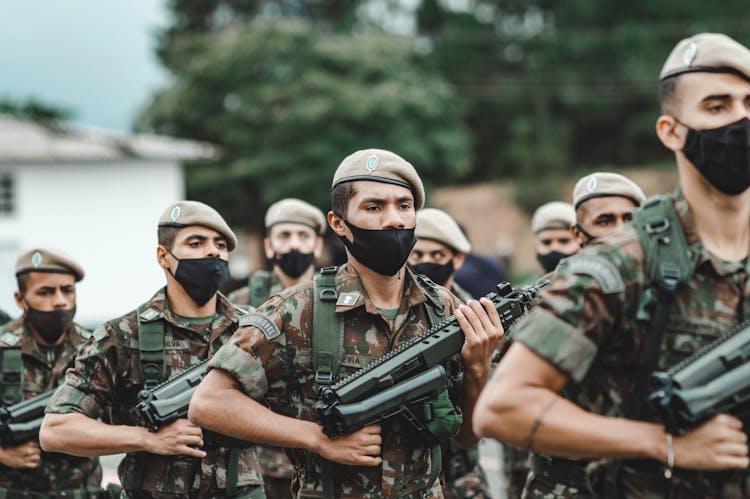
<point>7,194</point>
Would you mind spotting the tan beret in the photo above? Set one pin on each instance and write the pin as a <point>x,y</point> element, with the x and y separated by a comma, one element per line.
<point>185,213</point>
<point>47,260</point>
<point>605,184</point>
<point>707,52</point>
<point>381,166</point>
<point>553,215</point>
<point>438,226</point>
<point>296,211</point>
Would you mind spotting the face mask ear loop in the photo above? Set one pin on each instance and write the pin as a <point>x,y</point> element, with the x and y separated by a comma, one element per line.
<point>583,231</point>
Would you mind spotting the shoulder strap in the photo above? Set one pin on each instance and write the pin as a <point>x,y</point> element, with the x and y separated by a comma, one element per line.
<point>151,350</point>
<point>328,330</point>
<point>434,306</point>
<point>11,375</point>
<point>259,285</point>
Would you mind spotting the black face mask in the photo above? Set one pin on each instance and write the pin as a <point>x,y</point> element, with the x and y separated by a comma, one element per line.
<point>439,274</point>
<point>50,325</point>
<point>722,155</point>
<point>550,260</point>
<point>293,263</point>
<point>201,277</point>
<point>384,251</point>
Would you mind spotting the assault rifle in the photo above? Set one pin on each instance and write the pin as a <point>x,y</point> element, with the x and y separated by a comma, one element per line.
<point>169,401</point>
<point>408,375</point>
<point>20,422</point>
<point>715,379</point>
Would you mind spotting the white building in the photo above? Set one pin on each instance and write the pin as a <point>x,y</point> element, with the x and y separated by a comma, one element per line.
<point>95,194</point>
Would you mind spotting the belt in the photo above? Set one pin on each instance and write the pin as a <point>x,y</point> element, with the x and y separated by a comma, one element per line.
<point>57,494</point>
<point>559,470</point>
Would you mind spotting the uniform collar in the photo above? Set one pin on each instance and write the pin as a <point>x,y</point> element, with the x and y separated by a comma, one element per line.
<point>352,294</point>
<point>31,348</point>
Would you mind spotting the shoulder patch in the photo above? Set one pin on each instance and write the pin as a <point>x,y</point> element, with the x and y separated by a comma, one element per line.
<point>603,271</point>
<point>347,299</point>
<point>9,339</point>
<point>149,314</point>
<point>263,323</point>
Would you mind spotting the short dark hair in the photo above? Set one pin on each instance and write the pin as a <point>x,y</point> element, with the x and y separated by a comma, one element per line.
<point>166,236</point>
<point>23,282</point>
<point>340,196</point>
<point>668,94</point>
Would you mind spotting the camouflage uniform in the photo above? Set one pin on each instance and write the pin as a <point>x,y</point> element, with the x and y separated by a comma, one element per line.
<point>276,468</point>
<point>586,327</point>
<point>464,478</point>
<point>43,370</point>
<point>106,381</point>
<point>280,373</point>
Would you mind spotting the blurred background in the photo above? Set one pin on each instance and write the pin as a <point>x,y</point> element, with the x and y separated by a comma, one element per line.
<point>110,110</point>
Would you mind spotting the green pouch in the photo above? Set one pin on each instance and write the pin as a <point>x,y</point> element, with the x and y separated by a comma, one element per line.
<point>443,419</point>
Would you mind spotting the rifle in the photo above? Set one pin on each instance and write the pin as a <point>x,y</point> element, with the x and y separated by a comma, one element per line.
<point>20,422</point>
<point>169,401</point>
<point>715,379</point>
<point>408,375</point>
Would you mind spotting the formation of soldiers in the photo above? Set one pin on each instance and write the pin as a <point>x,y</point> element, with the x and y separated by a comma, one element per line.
<point>562,389</point>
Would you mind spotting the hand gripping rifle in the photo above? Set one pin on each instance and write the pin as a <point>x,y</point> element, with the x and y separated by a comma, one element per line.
<point>409,375</point>
<point>169,401</point>
<point>20,422</point>
<point>715,379</point>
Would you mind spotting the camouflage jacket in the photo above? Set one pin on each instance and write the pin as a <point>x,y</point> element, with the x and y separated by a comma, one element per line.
<point>43,370</point>
<point>280,373</point>
<point>586,326</point>
<point>241,296</point>
<point>106,380</point>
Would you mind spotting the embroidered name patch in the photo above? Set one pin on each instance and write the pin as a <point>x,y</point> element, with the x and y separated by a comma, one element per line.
<point>263,323</point>
<point>603,271</point>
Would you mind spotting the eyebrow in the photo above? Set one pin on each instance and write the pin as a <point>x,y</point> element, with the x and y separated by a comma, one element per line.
<point>717,97</point>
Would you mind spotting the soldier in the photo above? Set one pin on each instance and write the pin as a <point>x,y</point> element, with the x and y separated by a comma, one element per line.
<point>294,231</point>
<point>551,225</point>
<point>293,242</point>
<point>181,325</point>
<point>599,326</point>
<point>35,350</point>
<point>439,252</point>
<point>380,304</point>
<point>603,201</point>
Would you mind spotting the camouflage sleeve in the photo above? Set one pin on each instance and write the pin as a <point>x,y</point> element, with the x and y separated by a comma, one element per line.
<point>89,385</point>
<point>583,304</point>
<point>252,356</point>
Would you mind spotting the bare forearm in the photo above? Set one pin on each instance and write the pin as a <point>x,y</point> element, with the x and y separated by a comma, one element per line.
<point>79,435</point>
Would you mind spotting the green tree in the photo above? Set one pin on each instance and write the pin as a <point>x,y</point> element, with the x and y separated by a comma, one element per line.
<point>286,104</point>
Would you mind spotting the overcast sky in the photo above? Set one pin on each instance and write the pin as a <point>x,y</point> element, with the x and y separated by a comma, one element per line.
<point>93,56</point>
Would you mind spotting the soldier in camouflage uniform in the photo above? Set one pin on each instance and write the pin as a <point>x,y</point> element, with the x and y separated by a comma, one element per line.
<point>593,324</point>
<point>381,304</point>
<point>439,252</point>
<point>551,224</point>
<point>45,339</point>
<point>294,240</point>
<point>191,321</point>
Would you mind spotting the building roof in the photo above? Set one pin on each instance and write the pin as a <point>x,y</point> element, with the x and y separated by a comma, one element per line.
<point>23,141</point>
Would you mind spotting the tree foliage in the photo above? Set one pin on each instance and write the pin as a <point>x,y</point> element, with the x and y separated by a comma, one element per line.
<point>286,104</point>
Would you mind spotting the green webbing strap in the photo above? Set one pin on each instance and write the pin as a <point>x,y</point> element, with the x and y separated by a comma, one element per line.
<point>328,330</point>
<point>151,350</point>
<point>436,464</point>
<point>259,285</point>
<point>11,376</point>
<point>435,309</point>
<point>233,462</point>
<point>669,263</point>
<point>328,346</point>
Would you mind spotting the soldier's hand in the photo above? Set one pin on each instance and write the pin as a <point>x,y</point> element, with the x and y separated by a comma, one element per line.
<point>361,448</point>
<point>24,456</point>
<point>717,444</point>
<point>483,330</point>
<point>179,437</point>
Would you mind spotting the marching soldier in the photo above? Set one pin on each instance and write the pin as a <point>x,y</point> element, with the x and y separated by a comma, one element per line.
<point>180,326</point>
<point>35,351</point>
<point>644,298</point>
<point>379,305</point>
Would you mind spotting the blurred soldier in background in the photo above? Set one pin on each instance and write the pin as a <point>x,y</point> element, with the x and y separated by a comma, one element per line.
<point>551,225</point>
<point>35,351</point>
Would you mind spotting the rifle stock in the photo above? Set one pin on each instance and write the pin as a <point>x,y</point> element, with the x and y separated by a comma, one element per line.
<point>20,422</point>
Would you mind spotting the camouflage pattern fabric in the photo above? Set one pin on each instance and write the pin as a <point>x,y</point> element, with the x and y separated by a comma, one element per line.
<point>106,381</point>
<point>587,328</point>
<point>279,372</point>
<point>241,296</point>
<point>43,370</point>
<point>464,477</point>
